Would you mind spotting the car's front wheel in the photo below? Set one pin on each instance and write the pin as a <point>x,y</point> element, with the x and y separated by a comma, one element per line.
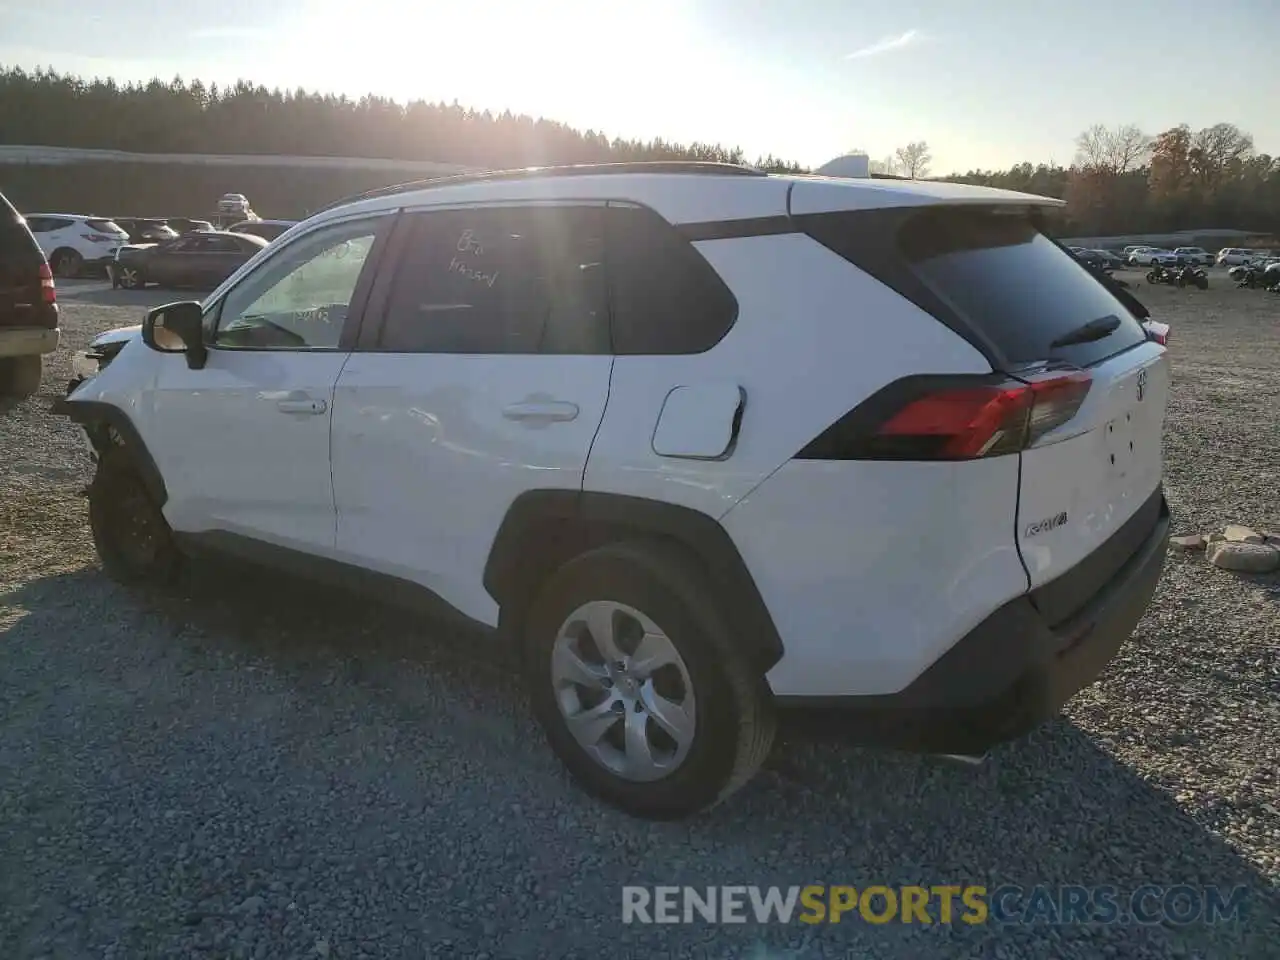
<point>67,264</point>
<point>635,679</point>
<point>133,539</point>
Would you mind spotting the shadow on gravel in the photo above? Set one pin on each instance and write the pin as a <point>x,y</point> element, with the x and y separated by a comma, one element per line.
<point>1052,809</point>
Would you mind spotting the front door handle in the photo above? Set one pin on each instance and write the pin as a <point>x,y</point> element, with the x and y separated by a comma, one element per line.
<point>546,411</point>
<point>296,405</point>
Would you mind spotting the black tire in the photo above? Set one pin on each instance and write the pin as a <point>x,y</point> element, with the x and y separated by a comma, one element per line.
<point>734,725</point>
<point>1151,277</point>
<point>19,379</point>
<point>131,278</point>
<point>66,264</point>
<point>133,539</point>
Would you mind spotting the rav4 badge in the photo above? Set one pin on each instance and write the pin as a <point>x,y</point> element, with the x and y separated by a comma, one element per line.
<point>1049,523</point>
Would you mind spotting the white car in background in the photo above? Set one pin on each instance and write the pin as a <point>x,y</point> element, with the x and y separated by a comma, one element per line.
<point>1234,256</point>
<point>73,243</point>
<point>1197,256</point>
<point>1146,256</point>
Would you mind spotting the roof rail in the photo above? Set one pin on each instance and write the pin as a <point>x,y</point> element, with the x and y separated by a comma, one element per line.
<point>572,170</point>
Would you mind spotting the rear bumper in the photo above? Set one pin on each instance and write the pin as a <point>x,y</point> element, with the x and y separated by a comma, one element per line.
<point>28,341</point>
<point>1014,670</point>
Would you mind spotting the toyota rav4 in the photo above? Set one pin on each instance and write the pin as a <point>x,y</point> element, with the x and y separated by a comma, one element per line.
<point>701,442</point>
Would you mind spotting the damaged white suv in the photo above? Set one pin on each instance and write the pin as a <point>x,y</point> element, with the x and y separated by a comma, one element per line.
<point>704,443</point>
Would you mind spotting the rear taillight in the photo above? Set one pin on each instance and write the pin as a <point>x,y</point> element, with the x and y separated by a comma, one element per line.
<point>957,422</point>
<point>100,238</point>
<point>47,292</point>
<point>1157,332</point>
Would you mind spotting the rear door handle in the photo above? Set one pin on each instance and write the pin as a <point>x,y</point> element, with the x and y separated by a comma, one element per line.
<point>546,411</point>
<point>303,405</point>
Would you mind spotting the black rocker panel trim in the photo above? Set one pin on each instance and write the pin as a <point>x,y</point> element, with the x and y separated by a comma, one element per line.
<point>309,567</point>
<point>545,528</point>
<point>91,413</point>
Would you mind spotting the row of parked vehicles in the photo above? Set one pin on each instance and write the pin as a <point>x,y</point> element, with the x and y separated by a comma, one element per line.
<point>132,251</point>
<point>76,244</point>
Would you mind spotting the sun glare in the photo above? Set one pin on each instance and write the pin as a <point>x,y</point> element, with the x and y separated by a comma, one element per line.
<point>605,64</point>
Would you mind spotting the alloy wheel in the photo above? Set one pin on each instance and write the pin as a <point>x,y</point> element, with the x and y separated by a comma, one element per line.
<point>623,691</point>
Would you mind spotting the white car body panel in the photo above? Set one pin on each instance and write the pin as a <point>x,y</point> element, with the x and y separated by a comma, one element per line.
<point>235,454</point>
<point>792,392</point>
<point>872,570</point>
<point>1098,468</point>
<point>430,450</point>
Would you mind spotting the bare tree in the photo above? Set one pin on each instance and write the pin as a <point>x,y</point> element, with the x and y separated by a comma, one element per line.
<point>1217,150</point>
<point>1114,152</point>
<point>886,166</point>
<point>913,159</point>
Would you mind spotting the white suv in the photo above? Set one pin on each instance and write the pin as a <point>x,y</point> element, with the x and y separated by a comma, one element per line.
<point>702,442</point>
<point>73,243</point>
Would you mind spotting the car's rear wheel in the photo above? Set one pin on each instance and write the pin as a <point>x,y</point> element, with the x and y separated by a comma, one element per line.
<point>66,263</point>
<point>129,277</point>
<point>133,539</point>
<point>635,679</point>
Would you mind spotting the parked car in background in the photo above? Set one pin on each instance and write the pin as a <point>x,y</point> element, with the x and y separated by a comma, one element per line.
<point>187,225</point>
<point>145,229</point>
<point>1196,256</point>
<point>1109,259</point>
<point>193,260</point>
<point>1234,256</point>
<point>28,308</point>
<point>74,243</point>
<point>266,229</point>
<point>1152,256</point>
<point>1091,258</point>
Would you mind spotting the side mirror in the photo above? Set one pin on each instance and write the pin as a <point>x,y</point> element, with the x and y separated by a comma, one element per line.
<point>177,328</point>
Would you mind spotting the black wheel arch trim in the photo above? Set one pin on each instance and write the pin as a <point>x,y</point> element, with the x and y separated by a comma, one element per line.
<point>91,413</point>
<point>551,526</point>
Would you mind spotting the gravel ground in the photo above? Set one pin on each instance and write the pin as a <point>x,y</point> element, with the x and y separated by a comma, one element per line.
<point>237,769</point>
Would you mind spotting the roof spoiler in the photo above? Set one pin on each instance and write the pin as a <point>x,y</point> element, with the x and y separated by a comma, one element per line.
<point>852,166</point>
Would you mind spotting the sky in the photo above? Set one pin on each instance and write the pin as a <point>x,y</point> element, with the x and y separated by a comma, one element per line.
<point>987,84</point>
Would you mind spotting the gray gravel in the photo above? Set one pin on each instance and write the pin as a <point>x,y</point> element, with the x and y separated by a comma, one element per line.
<point>251,769</point>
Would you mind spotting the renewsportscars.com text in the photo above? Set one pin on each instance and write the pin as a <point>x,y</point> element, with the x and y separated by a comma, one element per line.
<point>941,903</point>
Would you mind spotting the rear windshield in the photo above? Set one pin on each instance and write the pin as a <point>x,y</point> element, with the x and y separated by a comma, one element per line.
<point>1004,277</point>
<point>103,226</point>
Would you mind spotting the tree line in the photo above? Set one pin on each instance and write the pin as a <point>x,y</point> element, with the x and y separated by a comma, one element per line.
<point>47,108</point>
<point>1121,180</point>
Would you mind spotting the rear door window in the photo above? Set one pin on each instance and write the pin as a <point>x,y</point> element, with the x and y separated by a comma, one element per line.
<point>1009,280</point>
<point>519,280</point>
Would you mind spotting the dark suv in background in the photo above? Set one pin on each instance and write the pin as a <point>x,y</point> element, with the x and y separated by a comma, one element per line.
<point>28,308</point>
